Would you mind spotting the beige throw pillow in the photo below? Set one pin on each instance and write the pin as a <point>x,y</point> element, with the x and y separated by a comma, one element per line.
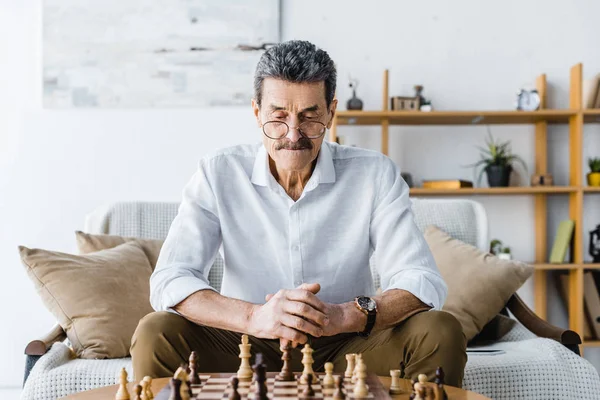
<point>479,283</point>
<point>89,243</point>
<point>98,299</point>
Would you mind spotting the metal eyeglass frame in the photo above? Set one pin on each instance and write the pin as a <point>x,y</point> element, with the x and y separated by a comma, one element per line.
<point>299,129</point>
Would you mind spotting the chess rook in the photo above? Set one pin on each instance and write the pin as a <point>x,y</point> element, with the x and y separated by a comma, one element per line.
<point>395,387</point>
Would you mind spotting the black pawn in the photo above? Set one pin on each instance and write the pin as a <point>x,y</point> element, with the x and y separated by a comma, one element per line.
<point>308,390</point>
<point>235,395</point>
<point>175,388</point>
<point>413,394</point>
<point>193,369</point>
<point>439,375</point>
<point>339,385</point>
<point>402,368</point>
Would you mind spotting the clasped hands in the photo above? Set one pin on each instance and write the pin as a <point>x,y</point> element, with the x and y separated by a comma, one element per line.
<point>292,315</point>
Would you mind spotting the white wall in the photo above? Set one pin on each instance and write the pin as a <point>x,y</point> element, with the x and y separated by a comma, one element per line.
<point>55,166</point>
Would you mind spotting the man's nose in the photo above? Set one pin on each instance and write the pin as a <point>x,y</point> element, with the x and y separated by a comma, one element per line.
<point>294,134</point>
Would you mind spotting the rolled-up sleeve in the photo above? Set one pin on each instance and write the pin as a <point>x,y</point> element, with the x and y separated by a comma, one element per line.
<point>191,245</point>
<point>402,257</point>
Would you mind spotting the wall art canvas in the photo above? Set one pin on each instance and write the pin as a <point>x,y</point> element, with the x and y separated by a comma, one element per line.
<point>154,53</point>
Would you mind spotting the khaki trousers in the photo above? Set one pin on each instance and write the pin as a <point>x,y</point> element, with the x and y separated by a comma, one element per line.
<point>425,341</point>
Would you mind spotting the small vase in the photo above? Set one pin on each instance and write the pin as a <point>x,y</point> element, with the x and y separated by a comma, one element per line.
<point>354,103</point>
<point>505,256</point>
<point>498,175</point>
<point>593,179</point>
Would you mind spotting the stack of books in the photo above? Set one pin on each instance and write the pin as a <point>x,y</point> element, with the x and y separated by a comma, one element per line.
<point>447,184</point>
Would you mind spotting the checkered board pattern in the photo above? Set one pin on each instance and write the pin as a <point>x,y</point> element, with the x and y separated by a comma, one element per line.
<point>219,388</point>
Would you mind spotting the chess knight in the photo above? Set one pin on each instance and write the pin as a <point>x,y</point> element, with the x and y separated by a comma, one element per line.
<point>296,219</point>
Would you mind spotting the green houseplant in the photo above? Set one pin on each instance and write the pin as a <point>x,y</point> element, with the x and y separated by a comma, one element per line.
<point>499,250</point>
<point>497,160</point>
<point>593,177</point>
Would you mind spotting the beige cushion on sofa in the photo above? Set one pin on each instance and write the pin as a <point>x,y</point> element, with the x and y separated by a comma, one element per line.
<point>479,283</point>
<point>98,299</point>
<point>89,243</point>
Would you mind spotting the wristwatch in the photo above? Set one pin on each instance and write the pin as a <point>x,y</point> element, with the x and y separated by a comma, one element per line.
<point>368,306</point>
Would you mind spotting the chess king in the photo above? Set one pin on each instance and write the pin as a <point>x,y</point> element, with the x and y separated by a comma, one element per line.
<point>296,219</point>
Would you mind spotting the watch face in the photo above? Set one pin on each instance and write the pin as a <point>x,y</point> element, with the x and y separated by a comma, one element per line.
<point>367,303</point>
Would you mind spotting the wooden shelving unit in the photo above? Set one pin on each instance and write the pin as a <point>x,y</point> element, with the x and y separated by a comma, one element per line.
<point>575,117</point>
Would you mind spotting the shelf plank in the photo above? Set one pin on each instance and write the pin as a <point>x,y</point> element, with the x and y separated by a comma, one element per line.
<point>557,267</point>
<point>591,189</point>
<point>590,266</point>
<point>591,343</point>
<point>514,190</point>
<point>453,117</point>
<point>591,115</point>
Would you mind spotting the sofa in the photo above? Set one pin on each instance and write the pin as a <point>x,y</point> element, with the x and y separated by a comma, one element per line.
<point>532,359</point>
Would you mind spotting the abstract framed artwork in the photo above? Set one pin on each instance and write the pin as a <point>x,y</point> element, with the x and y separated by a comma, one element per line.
<point>154,53</point>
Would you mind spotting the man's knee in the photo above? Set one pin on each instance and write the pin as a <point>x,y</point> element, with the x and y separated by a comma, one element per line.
<point>439,328</point>
<point>155,326</point>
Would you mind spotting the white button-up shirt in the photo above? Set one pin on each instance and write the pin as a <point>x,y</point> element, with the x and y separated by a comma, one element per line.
<point>355,203</point>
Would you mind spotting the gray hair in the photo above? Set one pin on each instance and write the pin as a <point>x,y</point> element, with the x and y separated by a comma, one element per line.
<point>296,61</point>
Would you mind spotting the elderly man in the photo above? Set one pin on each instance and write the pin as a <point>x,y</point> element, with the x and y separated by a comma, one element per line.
<point>297,220</point>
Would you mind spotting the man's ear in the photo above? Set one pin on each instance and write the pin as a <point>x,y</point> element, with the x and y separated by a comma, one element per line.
<point>256,111</point>
<point>332,109</point>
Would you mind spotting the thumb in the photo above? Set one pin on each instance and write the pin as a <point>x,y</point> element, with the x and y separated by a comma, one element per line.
<point>268,297</point>
<point>311,287</point>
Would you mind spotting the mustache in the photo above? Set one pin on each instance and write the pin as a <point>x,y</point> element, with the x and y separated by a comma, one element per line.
<point>301,144</point>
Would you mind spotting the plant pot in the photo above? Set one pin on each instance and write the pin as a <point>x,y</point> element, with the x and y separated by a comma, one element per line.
<point>593,178</point>
<point>505,256</point>
<point>498,175</point>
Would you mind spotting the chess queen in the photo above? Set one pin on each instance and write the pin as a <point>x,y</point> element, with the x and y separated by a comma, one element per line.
<point>296,219</point>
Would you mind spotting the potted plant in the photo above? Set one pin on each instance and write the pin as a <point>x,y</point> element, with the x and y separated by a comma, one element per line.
<point>497,249</point>
<point>593,177</point>
<point>498,160</point>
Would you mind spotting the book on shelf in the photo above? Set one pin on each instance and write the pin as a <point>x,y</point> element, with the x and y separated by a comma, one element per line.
<point>447,184</point>
<point>591,92</point>
<point>591,298</point>
<point>562,241</point>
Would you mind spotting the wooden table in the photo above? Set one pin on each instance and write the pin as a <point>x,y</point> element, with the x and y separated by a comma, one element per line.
<point>108,392</point>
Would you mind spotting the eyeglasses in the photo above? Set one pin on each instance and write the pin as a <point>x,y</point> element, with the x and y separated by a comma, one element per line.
<point>279,129</point>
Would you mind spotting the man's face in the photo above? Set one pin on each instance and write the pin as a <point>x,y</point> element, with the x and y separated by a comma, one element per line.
<point>293,103</point>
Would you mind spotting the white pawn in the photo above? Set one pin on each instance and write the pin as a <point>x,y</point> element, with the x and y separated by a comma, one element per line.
<point>149,393</point>
<point>144,394</point>
<point>122,393</point>
<point>420,387</point>
<point>184,390</point>
<point>328,379</point>
<point>307,361</point>
<point>361,390</point>
<point>245,373</point>
<point>350,360</point>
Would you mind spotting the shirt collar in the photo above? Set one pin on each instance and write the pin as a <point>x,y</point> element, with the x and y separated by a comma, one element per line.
<point>324,170</point>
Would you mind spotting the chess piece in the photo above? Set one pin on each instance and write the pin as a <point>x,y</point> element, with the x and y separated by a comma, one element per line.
<point>235,395</point>
<point>308,390</point>
<point>286,374</point>
<point>193,367</point>
<point>361,390</point>
<point>244,373</point>
<point>350,361</point>
<point>122,392</point>
<point>181,375</point>
<point>144,389</point>
<point>175,385</point>
<point>357,360</point>
<point>328,379</point>
<point>339,384</point>
<point>138,392</point>
<point>420,386</point>
<point>307,361</point>
<point>402,369</point>
<point>149,394</point>
<point>260,392</point>
<point>440,392</point>
<point>395,387</point>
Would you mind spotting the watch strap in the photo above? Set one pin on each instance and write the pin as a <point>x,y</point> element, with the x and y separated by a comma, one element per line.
<point>371,316</point>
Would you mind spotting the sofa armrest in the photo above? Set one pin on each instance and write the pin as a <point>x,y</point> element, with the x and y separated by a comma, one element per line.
<point>540,327</point>
<point>40,346</point>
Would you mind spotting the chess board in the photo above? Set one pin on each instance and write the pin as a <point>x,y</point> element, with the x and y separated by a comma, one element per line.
<point>218,387</point>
